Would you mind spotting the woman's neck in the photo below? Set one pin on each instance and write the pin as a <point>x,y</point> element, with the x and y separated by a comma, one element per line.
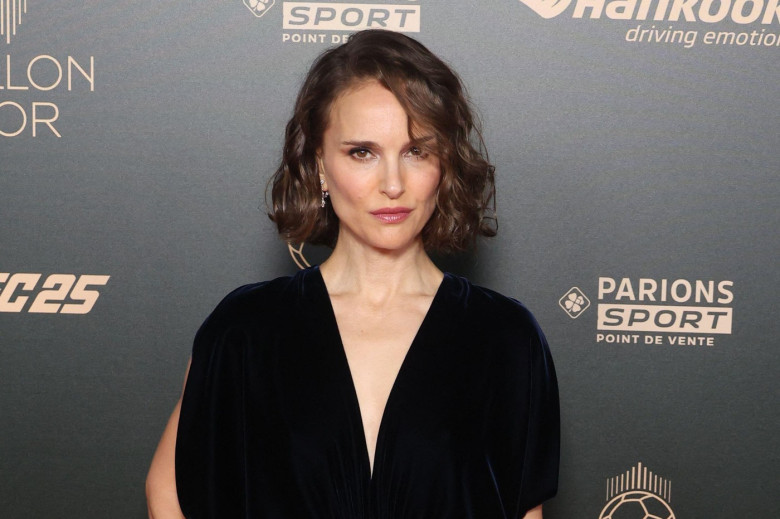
<point>379,275</point>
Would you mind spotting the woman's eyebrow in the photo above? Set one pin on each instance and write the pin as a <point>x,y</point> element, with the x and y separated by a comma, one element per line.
<point>371,144</point>
<point>361,144</point>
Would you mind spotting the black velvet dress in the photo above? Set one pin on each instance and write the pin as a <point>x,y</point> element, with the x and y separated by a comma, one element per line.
<point>270,424</point>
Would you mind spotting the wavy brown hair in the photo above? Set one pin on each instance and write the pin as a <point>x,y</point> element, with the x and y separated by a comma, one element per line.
<point>434,100</point>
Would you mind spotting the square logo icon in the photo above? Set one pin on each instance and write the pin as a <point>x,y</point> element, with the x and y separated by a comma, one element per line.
<point>574,302</point>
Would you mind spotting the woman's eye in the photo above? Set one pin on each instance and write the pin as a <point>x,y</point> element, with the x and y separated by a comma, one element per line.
<point>417,152</point>
<point>360,153</point>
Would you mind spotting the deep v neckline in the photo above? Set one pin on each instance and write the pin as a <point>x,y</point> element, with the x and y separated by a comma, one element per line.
<point>350,381</point>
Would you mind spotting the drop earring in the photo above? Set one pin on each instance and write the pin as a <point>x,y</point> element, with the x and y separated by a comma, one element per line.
<point>324,193</point>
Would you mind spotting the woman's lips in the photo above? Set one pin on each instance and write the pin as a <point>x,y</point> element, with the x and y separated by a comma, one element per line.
<point>392,214</point>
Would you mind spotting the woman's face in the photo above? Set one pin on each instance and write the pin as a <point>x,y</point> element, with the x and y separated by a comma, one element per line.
<point>382,182</point>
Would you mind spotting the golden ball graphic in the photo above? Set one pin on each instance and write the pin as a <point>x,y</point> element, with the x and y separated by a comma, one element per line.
<point>637,504</point>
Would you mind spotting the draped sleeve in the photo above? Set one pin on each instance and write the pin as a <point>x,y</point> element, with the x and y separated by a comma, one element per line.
<point>542,447</point>
<point>211,441</point>
<point>522,438</point>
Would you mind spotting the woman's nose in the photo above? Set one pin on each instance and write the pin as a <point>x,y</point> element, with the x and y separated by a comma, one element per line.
<point>392,183</point>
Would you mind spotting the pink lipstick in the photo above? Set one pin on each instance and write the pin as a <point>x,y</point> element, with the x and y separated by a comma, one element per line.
<point>392,214</point>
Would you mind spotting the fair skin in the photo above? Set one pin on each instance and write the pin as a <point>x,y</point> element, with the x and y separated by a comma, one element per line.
<point>382,184</point>
<point>161,499</point>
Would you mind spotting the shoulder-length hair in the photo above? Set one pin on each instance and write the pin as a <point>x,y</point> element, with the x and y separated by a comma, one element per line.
<point>434,100</point>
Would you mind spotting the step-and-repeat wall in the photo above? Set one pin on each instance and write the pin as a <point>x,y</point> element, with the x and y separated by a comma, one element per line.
<point>636,145</point>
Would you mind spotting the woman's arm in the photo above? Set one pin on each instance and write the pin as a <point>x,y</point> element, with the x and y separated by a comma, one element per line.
<point>536,513</point>
<point>161,498</point>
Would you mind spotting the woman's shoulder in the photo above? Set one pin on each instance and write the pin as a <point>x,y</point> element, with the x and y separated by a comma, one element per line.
<point>260,301</point>
<point>492,308</point>
<point>504,329</point>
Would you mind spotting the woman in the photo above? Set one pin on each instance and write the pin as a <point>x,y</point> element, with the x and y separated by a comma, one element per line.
<point>373,386</point>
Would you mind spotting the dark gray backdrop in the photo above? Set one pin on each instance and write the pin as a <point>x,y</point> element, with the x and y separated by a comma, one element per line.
<point>615,159</point>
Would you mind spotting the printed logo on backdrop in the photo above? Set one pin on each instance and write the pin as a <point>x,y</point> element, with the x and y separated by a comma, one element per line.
<point>574,302</point>
<point>638,494</point>
<point>649,311</point>
<point>259,7</point>
<point>26,83</point>
<point>332,23</point>
<point>707,22</point>
<point>296,253</point>
<point>54,294</point>
<point>11,12</point>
